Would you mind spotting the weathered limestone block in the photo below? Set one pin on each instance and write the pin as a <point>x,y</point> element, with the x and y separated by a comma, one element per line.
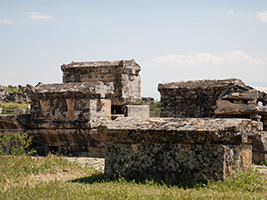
<point>169,147</point>
<point>172,160</point>
<point>180,130</point>
<point>193,98</point>
<point>10,124</point>
<point>124,74</point>
<point>227,108</point>
<point>246,102</point>
<point>71,101</point>
<point>260,142</point>
<point>242,101</point>
<point>259,148</point>
<point>136,111</point>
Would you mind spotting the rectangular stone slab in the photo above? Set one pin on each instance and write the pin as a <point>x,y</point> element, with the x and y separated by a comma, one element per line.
<point>179,130</point>
<point>172,147</point>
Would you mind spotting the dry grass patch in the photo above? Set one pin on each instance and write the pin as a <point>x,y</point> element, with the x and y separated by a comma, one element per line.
<point>52,177</point>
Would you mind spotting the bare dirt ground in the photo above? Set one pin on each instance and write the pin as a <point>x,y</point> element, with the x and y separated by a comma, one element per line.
<point>96,163</point>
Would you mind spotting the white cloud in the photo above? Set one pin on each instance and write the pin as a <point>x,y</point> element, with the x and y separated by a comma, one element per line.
<point>5,21</point>
<point>202,65</point>
<point>233,13</point>
<point>205,58</point>
<point>262,16</point>
<point>37,15</point>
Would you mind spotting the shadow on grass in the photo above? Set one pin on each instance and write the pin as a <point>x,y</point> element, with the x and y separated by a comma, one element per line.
<point>182,182</point>
<point>96,178</point>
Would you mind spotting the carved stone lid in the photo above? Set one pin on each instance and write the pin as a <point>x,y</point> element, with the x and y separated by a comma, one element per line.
<point>98,88</point>
<point>99,64</point>
<point>200,84</point>
<point>179,130</point>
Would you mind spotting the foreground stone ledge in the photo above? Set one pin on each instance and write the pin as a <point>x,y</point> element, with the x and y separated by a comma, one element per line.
<point>172,147</point>
<point>179,130</point>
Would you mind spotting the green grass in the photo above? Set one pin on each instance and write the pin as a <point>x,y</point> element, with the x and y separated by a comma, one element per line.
<point>8,107</point>
<point>52,177</point>
<point>154,108</point>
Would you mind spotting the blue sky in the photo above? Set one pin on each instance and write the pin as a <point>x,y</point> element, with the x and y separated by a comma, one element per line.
<point>171,40</point>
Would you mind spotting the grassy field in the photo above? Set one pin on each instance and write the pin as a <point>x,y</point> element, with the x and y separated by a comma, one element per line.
<point>53,177</point>
<point>9,107</point>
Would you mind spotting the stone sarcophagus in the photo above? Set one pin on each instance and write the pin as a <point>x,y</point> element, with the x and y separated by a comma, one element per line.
<point>124,74</point>
<point>71,102</point>
<point>172,147</point>
<point>64,117</point>
<point>193,98</point>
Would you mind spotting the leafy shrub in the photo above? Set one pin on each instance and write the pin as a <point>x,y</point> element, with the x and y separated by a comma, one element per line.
<point>15,144</point>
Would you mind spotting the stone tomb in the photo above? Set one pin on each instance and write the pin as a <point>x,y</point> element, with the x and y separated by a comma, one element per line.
<point>228,98</point>
<point>246,102</point>
<point>124,74</point>
<point>171,147</point>
<point>193,98</point>
<point>64,117</point>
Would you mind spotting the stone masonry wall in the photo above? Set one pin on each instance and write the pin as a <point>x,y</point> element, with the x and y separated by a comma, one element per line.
<point>169,160</point>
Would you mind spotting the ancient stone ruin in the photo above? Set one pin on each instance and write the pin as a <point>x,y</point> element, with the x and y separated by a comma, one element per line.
<point>123,74</point>
<point>64,116</point>
<point>172,147</point>
<point>193,98</point>
<point>207,128</point>
<point>229,98</point>
<point>193,138</point>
